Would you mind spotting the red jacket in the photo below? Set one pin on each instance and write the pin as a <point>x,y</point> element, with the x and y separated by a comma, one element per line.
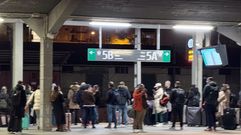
<point>137,96</point>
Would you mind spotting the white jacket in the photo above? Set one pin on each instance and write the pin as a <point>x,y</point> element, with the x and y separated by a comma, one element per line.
<point>157,108</point>
<point>36,97</point>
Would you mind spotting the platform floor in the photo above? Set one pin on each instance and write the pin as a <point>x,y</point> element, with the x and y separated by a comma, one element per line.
<point>150,130</point>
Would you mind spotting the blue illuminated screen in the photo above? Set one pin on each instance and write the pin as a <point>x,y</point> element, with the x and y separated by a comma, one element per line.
<point>215,55</point>
<point>211,57</point>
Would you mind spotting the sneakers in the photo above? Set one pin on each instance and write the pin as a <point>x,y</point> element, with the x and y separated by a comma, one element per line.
<point>172,128</point>
<point>208,129</point>
<point>108,126</point>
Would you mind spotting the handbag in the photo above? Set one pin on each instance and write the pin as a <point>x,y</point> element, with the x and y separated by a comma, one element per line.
<point>164,100</point>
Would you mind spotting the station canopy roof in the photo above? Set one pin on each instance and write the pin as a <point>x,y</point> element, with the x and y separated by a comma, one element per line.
<point>144,11</point>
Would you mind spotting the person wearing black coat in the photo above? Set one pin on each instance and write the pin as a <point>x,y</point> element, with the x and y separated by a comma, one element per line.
<point>18,102</point>
<point>177,99</point>
<point>210,102</point>
<point>57,100</point>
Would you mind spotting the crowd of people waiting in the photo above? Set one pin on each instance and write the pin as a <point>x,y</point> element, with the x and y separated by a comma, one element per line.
<point>149,107</point>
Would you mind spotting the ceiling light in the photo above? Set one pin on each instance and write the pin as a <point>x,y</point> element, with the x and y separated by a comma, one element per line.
<point>1,19</point>
<point>193,27</point>
<point>110,24</point>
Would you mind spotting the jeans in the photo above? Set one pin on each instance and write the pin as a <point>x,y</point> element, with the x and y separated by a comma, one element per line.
<point>96,114</point>
<point>88,115</point>
<point>210,114</point>
<point>123,114</point>
<point>165,117</point>
<point>111,113</point>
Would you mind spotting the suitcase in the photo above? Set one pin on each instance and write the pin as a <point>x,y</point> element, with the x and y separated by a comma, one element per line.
<point>193,116</point>
<point>25,121</point>
<point>68,121</point>
<point>3,120</point>
<point>229,119</point>
<point>203,118</point>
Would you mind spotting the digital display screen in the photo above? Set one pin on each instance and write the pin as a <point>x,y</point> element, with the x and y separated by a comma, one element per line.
<point>215,55</point>
<point>211,57</point>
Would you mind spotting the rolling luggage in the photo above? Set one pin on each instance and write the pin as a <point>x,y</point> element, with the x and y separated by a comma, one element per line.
<point>193,116</point>
<point>203,118</point>
<point>25,121</point>
<point>68,120</point>
<point>229,119</point>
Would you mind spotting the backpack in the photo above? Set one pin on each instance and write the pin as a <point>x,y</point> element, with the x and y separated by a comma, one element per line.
<point>180,96</point>
<point>213,95</point>
<point>233,101</point>
<point>3,103</point>
<point>123,97</point>
<point>116,97</point>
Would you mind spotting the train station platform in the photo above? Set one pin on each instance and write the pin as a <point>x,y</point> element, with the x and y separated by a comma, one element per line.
<point>149,130</point>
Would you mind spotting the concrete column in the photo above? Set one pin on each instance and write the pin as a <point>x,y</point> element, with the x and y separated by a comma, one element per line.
<point>197,64</point>
<point>17,70</point>
<point>46,75</point>
<point>137,66</point>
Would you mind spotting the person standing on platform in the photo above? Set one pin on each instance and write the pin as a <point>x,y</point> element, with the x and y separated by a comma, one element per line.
<point>34,101</point>
<point>168,91</point>
<point>4,106</point>
<point>139,106</point>
<point>158,109</point>
<point>223,101</point>
<point>112,104</point>
<point>177,100</point>
<point>125,96</point>
<point>18,102</point>
<point>210,96</point>
<point>73,103</point>
<point>57,100</point>
<point>88,106</point>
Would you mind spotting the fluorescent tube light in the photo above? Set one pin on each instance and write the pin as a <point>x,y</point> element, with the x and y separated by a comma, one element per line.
<point>193,27</point>
<point>1,19</point>
<point>110,24</point>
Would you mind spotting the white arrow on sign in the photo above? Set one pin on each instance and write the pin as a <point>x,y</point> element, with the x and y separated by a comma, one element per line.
<point>91,52</point>
<point>166,54</point>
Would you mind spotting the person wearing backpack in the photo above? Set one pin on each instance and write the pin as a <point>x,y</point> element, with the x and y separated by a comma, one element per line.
<point>177,99</point>
<point>112,102</point>
<point>124,97</point>
<point>210,96</point>
<point>73,103</point>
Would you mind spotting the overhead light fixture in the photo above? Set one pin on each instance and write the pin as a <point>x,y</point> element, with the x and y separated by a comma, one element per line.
<point>1,19</point>
<point>110,24</point>
<point>193,27</point>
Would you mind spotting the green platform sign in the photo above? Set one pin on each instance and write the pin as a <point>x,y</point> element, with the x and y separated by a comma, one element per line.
<point>127,55</point>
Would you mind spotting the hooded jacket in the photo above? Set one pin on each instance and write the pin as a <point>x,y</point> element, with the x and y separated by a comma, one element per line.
<point>210,93</point>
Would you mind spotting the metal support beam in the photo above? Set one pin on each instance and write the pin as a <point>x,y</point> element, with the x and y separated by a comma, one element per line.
<point>158,40</point>
<point>60,13</point>
<point>137,66</point>
<point>233,33</point>
<point>100,37</point>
